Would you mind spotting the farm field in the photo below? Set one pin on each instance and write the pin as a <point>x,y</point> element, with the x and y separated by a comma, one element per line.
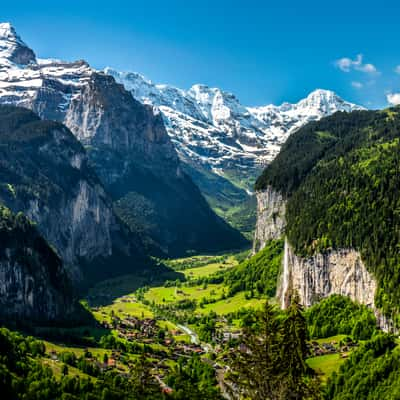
<point>209,269</point>
<point>325,365</point>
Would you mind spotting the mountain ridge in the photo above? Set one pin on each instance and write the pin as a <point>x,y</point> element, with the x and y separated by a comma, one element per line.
<point>224,145</point>
<point>253,135</point>
<point>126,142</point>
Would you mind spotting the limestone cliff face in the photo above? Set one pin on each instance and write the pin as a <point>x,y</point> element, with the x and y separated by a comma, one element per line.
<point>33,282</point>
<point>131,152</point>
<point>339,271</point>
<point>45,174</point>
<point>270,217</point>
<point>334,272</point>
<point>104,113</point>
<point>106,118</point>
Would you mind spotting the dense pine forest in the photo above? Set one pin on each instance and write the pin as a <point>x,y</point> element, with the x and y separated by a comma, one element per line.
<point>342,178</point>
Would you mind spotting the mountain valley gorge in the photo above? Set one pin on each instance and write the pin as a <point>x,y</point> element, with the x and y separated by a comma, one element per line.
<point>162,243</point>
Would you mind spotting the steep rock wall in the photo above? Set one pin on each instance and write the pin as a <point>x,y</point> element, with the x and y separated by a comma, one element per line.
<point>33,282</point>
<point>314,278</point>
<point>334,272</point>
<point>339,271</point>
<point>270,224</point>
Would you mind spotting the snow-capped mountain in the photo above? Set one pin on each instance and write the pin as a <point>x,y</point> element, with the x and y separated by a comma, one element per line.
<point>34,83</point>
<point>211,127</point>
<point>207,125</point>
<point>222,143</point>
<point>128,147</point>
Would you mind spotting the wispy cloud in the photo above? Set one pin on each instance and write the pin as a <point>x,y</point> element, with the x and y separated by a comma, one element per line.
<point>346,64</point>
<point>397,70</point>
<point>357,85</point>
<point>393,98</point>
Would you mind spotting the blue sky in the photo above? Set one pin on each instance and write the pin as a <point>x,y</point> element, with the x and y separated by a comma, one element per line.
<point>261,51</point>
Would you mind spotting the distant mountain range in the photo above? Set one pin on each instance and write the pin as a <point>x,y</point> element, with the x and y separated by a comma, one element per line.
<point>211,128</point>
<point>222,145</point>
<point>127,147</point>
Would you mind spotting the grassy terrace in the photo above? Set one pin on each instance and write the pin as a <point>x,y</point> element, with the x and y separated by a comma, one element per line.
<point>210,269</point>
<point>172,294</point>
<point>325,365</point>
<point>231,304</point>
<point>123,306</point>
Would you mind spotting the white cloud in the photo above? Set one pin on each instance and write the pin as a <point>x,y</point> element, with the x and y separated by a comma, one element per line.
<point>347,64</point>
<point>393,98</point>
<point>397,70</point>
<point>357,85</point>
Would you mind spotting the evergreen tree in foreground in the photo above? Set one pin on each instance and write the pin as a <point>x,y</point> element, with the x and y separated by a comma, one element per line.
<point>271,362</point>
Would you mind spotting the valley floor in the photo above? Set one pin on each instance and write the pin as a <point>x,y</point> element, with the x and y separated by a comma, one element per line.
<point>169,321</point>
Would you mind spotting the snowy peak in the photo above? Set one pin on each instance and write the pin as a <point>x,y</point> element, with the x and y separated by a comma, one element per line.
<point>325,102</point>
<point>215,104</point>
<point>12,49</point>
<point>8,33</point>
<point>319,102</point>
<point>208,126</point>
<point>211,127</point>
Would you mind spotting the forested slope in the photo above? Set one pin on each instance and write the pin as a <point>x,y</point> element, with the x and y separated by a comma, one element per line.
<point>342,178</point>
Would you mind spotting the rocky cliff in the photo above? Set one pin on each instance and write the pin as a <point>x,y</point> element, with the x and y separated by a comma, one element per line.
<point>339,271</point>
<point>270,217</point>
<point>45,174</point>
<point>334,272</point>
<point>128,147</point>
<point>33,282</point>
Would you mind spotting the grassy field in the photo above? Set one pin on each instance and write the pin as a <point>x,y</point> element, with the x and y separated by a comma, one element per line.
<point>231,304</point>
<point>130,307</point>
<point>79,351</point>
<point>337,339</point>
<point>199,272</point>
<point>56,366</point>
<point>325,365</point>
<point>162,295</point>
<point>215,292</point>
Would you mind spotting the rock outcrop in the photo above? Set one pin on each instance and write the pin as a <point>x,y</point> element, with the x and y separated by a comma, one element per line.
<point>33,282</point>
<point>45,174</point>
<point>340,271</point>
<point>128,147</point>
<point>270,218</point>
<point>334,272</point>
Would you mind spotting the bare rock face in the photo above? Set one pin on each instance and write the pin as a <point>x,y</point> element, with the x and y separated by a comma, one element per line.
<point>23,55</point>
<point>45,174</point>
<point>270,225</point>
<point>339,271</point>
<point>334,272</point>
<point>33,282</point>
<point>104,114</point>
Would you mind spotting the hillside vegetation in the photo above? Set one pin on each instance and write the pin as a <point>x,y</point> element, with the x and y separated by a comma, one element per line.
<point>342,178</point>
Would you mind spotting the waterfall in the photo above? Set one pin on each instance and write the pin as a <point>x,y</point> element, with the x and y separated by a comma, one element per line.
<point>286,275</point>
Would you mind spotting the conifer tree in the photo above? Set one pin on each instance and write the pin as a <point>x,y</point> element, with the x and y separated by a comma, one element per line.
<point>271,362</point>
<point>297,385</point>
<point>256,366</point>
